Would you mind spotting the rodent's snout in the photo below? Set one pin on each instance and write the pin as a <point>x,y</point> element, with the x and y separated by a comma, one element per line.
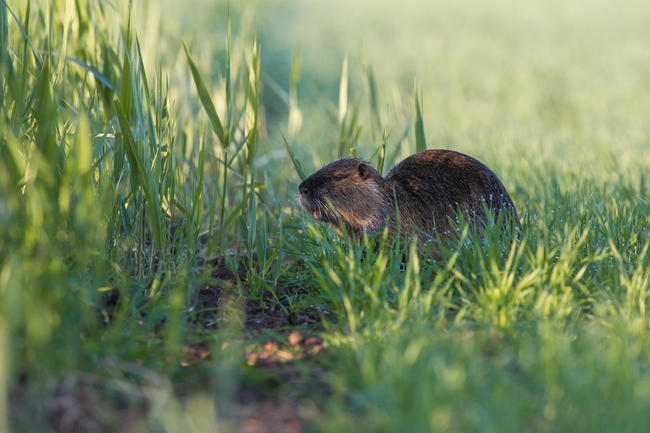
<point>306,198</point>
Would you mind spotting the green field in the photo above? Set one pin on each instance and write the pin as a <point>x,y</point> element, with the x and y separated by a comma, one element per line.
<point>157,274</point>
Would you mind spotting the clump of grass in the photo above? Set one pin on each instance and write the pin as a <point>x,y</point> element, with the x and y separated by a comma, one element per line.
<point>102,213</point>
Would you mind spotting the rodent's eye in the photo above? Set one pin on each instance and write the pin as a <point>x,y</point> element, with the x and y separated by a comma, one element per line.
<point>338,176</point>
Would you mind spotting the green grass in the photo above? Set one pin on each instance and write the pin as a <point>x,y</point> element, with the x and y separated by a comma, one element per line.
<point>151,241</point>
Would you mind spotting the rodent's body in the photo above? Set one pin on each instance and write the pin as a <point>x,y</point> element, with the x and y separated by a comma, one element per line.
<point>429,189</point>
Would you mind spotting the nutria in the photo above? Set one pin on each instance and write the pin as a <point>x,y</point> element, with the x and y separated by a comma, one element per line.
<point>430,189</point>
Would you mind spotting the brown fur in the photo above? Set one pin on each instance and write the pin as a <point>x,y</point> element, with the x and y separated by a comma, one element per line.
<point>431,188</point>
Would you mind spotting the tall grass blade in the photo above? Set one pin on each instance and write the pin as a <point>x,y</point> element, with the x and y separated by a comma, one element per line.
<point>295,116</point>
<point>126,85</point>
<point>229,95</point>
<point>206,100</point>
<point>420,141</point>
<point>5,27</point>
<point>142,174</point>
<point>5,350</point>
<point>4,34</point>
<point>253,87</point>
<point>102,79</point>
<point>381,154</point>
<point>343,92</point>
<point>296,162</point>
<point>197,196</point>
<point>371,82</point>
<point>230,217</point>
<point>350,131</point>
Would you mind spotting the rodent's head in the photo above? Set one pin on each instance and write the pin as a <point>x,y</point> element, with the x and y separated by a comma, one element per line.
<point>349,189</point>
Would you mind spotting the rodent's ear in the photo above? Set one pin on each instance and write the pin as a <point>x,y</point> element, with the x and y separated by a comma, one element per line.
<point>364,170</point>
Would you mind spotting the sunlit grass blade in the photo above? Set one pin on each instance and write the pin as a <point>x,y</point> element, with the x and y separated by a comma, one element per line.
<point>381,154</point>
<point>206,99</point>
<point>420,141</point>
<point>369,75</point>
<point>295,115</point>
<point>296,162</point>
<point>343,92</point>
<point>349,131</point>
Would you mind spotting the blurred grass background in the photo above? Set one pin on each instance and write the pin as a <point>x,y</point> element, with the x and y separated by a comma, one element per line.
<point>120,187</point>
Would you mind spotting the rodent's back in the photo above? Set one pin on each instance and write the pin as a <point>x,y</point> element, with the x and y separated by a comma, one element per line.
<point>436,184</point>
